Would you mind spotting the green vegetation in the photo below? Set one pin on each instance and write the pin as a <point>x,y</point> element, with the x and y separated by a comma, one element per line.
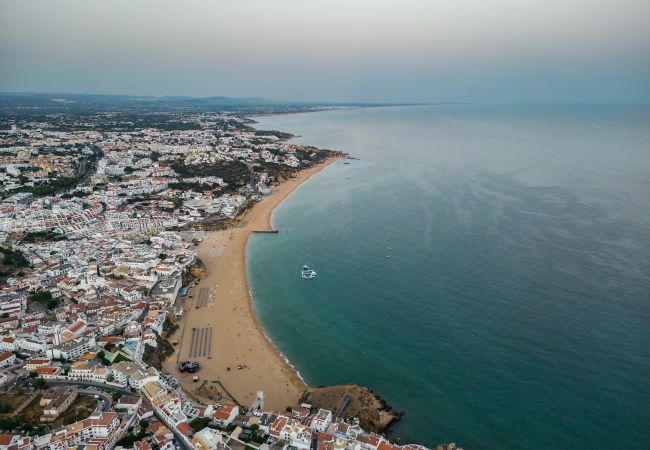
<point>120,358</point>
<point>154,356</point>
<point>39,383</point>
<point>8,424</point>
<point>235,173</point>
<point>38,236</point>
<point>257,438</point>
<point>279,134</point>
<point>29,420</point>
<point>177,201</point>
<point>200,423</point>
<point>128,440</point>
<point>46,299</point>
<point>50,188</point>
<point>169,327</point>
<point>30,169</point>
<point>196,187</point>
<point>141,198</point>
<point>11,261</point>
<point>9,402</point>
<point>79,410</point>
<point>76,194</point>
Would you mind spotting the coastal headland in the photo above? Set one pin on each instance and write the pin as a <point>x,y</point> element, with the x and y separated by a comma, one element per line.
<point>240,359</point>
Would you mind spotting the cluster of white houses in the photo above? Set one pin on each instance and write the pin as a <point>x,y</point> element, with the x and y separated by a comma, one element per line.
<point>106,270</point>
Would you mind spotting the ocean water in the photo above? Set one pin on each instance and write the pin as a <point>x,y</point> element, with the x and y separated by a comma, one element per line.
<point>486,270</point>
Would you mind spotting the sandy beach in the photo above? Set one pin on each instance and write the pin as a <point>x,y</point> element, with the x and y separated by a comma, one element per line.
<point>220,307</point>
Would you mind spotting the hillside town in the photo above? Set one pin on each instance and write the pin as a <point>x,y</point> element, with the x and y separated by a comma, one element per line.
<point>99,217</point>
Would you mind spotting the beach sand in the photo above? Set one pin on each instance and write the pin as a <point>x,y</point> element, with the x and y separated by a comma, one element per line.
<point>236,334</point>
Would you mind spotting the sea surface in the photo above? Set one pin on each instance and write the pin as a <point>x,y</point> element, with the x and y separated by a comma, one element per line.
<point>484,269</point>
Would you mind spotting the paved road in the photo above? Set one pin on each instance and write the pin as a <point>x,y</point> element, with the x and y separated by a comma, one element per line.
<point>90,384</point>
<point>97,389</point>
<point>108,400</point>
<point>179,437</point>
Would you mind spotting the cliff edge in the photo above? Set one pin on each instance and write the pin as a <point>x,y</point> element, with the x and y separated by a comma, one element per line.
<point>349,401</point>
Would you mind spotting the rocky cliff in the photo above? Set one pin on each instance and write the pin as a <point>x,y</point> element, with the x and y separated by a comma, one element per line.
<point>373,412</point>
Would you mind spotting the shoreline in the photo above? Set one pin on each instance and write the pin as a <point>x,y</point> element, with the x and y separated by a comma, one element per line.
<point>237,334</point>
<point>275,347</point>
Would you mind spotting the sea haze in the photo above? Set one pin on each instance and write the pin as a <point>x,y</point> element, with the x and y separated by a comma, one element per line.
<point>484,269</point>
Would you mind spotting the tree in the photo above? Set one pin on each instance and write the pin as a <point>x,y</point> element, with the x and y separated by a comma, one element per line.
<point>115,396</point>
<point>109,347</point>
<point>200,423</point>
<point>128,440</point>
<point>43,297</point>
<point>178,202</point>
<point>7,423</point>
<point>52,304</point>
<point>33,374</point>
<point>40,383</point>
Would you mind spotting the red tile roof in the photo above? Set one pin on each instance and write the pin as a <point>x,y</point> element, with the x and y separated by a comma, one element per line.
<point>278,425</point>
<point>142,445</point>
<point>223,411</point>
<point>184,428</point>
<point>388,446</point>
<point>5,439</point>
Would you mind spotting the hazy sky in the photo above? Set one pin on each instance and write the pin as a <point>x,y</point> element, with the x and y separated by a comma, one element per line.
<point>336,50</point>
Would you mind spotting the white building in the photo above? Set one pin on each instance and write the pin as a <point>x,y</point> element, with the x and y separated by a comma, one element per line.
<point>8,344</point>
<point>7,359</point>
<point>33,364</point>
<point>84,371</point>
<point>208,439</point>
<point>99,429</point>
<point>133,374</point>
<point>322,420</point>
<point>12,304</point>
<point>72,349</point>
<point>30,344</point>
<point>225,414</point>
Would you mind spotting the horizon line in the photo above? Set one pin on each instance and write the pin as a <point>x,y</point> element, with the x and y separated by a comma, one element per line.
<point>343,103</point>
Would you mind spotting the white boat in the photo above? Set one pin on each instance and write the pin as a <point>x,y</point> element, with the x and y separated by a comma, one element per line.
<point>307,273</point>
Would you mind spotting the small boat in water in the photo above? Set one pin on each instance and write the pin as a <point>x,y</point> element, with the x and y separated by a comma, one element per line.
<point>307,273</point>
